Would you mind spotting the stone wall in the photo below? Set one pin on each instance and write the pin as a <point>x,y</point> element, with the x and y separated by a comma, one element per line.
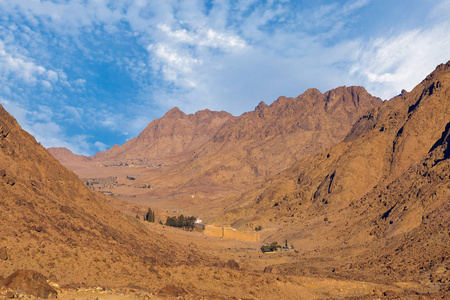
<point>214,230</point>
<point>233,234</point>
<point>228,233</point>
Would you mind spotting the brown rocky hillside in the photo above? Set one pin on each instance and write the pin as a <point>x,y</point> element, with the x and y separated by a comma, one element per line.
<point>50,222</point>
<point>378,199</point>
<point>262,143</point>
<point>208,157</point>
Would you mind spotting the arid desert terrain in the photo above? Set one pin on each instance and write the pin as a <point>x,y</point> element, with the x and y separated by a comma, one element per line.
<point>355,190</point>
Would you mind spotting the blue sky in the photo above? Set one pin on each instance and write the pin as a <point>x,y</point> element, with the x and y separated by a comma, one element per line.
<point>90,74</point>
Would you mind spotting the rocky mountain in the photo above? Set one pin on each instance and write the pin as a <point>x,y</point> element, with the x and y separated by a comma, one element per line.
<point>175,134</point>
<point>218,155</point>
<point>378,199</point>
<point>262,143</point>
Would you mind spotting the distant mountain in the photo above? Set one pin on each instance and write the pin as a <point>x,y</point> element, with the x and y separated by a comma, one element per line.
<point>65,155</point>
<point>383,190</point>
<point>175,134</point>
<point>215,149</point>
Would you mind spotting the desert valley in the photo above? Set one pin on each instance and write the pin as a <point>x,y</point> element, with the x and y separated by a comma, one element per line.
<point>355,190</point>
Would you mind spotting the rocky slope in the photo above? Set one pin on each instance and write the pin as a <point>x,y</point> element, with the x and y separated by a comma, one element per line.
<point>53,224</point>
<point>379,198</point>
<point>213,156</point>
<point>261,143</point>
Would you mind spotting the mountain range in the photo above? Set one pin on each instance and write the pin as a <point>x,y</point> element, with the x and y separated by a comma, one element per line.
<point>358,186</point>
<point>214,155</point>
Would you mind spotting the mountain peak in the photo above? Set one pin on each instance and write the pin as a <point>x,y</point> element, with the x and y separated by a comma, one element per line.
<point>261,106</point>
<point>174,112</point>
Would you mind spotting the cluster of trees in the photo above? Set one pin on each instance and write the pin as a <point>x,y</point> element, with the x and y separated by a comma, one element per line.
<point>274,247</point>
<point>181,222</point>
<point>150,216</point>
<point>271,247</point>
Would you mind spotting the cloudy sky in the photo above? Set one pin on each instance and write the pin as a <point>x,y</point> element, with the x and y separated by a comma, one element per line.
<point>88,74</point>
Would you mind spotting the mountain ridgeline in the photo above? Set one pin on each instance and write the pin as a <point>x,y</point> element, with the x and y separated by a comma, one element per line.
<point>215,149</point>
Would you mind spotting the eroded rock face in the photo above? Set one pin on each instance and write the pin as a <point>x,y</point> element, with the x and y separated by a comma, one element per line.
<point>31,283</point>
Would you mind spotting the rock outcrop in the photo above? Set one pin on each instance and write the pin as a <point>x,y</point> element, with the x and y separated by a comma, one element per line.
<point>30,283</point>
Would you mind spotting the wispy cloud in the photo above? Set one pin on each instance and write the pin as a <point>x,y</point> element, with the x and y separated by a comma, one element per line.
<point>388,64</point>
<point>19,67</point>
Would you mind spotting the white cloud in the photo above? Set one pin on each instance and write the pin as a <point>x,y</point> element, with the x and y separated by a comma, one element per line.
<point>389,64</point>
<point>204,37</point>
<point>173,62</point>
<point>24,69</point>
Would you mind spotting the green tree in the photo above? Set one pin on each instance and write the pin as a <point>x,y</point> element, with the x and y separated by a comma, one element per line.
<point>150,216</point>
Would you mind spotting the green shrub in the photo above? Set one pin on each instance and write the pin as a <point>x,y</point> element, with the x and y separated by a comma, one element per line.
<point>270,248</point>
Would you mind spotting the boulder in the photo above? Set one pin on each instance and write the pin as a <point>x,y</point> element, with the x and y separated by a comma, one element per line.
<point>31,283</point>
<point>172,290</point>
<point>232,264</point>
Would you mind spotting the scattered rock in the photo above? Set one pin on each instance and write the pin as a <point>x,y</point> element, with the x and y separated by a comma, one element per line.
<point>232,264</point>
<point>3,254</point>
<point>173,291</point>
<point>10,181</point>
<point>30,282</point>
<point>390,294</point>
<point>9,295</point>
